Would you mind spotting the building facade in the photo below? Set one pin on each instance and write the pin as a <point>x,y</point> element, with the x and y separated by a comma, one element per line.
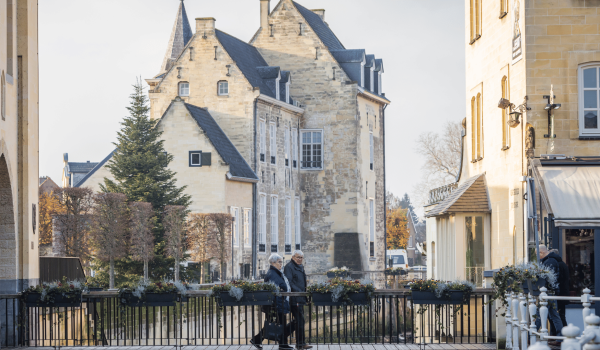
<point>310,124</point>
<point>542,57</point>
<point>19,91</point>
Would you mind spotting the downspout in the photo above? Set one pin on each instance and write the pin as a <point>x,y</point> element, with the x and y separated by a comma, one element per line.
<point>254,204</point>
<point>462,149</point>
<point>384,191</point>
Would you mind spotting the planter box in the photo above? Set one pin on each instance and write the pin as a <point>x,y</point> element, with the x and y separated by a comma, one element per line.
<point>152,299</point>
<point>99,289</point>
<point>338,274</point>
<point>69,300</point>
<point>456,297</point>
<point>392,273</point>
<point>324,299</point>
<point>534,287</point>
<point>249,298</point>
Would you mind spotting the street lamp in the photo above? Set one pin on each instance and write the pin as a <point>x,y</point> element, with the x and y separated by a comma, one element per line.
<point>517,111</point>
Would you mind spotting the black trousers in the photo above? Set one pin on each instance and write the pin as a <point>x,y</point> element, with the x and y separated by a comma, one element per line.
<point>298,323</point>
<point>280,318</point>
<point>562,312</point>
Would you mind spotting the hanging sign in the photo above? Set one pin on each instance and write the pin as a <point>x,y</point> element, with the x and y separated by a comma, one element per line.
<point>517,51</point>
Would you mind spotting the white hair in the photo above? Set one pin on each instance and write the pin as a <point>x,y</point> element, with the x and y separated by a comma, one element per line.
<point>297,252</point>
<point>275,258</point>
<point>543,248</point>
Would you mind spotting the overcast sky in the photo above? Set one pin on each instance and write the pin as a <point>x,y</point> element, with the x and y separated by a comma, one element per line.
<point>92,51</point>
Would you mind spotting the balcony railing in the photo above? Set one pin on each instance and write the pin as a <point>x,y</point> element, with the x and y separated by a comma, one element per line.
<point>196,319</point>
<point>439,194</point>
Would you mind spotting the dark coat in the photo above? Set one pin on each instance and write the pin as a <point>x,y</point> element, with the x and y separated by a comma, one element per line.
<point>297,278</point>
<point>555,263</point>
<point>275,276</point>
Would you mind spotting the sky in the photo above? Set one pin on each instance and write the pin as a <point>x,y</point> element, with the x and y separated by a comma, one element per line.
<point>91,52</point>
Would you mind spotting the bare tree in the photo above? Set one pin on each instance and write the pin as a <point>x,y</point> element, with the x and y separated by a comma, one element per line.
<point>219,239</point>
<point>109,229</point>
<point>141,222</point>
<point>71,221</point>
<point>442,159</point>
<point>198,239</point>
<point>175,234</point>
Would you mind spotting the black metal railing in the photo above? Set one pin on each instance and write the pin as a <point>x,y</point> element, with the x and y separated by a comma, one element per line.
<point>196,319</point>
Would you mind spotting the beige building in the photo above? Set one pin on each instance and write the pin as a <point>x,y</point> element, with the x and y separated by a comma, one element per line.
<point>19,91</point>
<point>307,116</point>
<point>545,54</point>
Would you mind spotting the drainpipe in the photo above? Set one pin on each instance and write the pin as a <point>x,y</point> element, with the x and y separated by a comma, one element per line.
<point>384,192</point>
<point>254,204</point>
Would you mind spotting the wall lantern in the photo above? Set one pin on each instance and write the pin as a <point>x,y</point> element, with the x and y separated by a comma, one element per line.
<point>517,111</point>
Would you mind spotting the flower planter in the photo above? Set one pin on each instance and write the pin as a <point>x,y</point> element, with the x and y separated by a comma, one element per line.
<point>338,274</point>
<point>392,273</point>
<point>94,289</point>
<point>456,297</point>
<point>249,298</point>
<point>151,299</point>
<point>534,287</point>
<point>324,299</point>
<point>60,300</point>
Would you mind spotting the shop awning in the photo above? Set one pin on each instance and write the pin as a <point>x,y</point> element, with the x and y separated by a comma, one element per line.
<point>571,193</point>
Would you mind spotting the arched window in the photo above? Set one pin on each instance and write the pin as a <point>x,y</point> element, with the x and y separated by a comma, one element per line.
<point>479,128</point>
<point>184,88</point>
<point>223,88</point>
<point>475,20</point>
<point>505,115</point>
<point>2,96</point>
<point>473,129</point>
<point>503,8</point>
<point>589,106</point>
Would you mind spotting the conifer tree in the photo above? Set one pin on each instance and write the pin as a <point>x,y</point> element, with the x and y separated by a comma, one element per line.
<point>140,169</point>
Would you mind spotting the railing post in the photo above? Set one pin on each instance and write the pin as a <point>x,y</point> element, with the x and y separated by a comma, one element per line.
<point>592,327</point>
<point>524,335</point>
<point>532,313</point>
<point>539,346</point>
<point>571,332</point>
<point>508,320</point>
<point>586,302</point>
<point>515,321</point>
<point>543,315</point>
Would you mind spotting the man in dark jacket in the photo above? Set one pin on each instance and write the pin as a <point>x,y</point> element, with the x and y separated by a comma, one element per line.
<point>554,260</point>
<point>294,271</point>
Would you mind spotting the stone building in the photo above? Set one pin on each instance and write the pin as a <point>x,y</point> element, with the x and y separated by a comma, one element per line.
<point>19,176</point>
<point>74,172</point>
<point>542,58</point>
<point>306,115</point>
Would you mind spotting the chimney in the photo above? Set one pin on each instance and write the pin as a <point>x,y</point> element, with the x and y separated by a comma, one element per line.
<point>321,13</point>
<point>205,26</point>
<point>265,9</point>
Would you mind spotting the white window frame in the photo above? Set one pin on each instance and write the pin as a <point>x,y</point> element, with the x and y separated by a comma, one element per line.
<point>247,226</point>
<point>199,164</point>
<point>371,151</point>
<point>235,213</point>
<point>287,147</point>
<point>372,82</point>
<point>362,74</point>
<point>263,140</point>
<point>277,94</point>
<point>581,111</point>
<point>295,147</point>
<point>274,223</point>
<point>288,221</point>
<point>371,223</point>
<point>287,91</point>
<point>184,89</point>
<point>297,234</point>
<point>379,87</point>
<point>273,142</point>
<point>302,131</point>
<point>222,92</point>
<point>262,220</point>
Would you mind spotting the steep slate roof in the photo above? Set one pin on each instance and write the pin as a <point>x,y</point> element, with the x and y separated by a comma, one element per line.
<point>180,36</point>
<point>471,196</point>
<point>237,164</point>
<point>81,167</point>
<point>248,60</point>
<point>320,28</point>
<point>96,167</point>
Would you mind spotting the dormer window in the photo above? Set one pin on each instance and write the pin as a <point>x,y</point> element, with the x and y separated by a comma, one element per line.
<point>287,92</point>
<point>184,88</point>
<point>223,88</point>
<point>379,87</point>
<point>372,83</point>
<point>277,87</point>
<point>362,74</point>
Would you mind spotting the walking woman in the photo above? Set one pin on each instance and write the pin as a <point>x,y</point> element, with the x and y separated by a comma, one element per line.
<point>282,304</point>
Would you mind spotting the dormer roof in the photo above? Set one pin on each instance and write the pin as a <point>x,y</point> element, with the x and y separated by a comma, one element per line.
<point>180,36</point>
<point>370,61</point>
<point>349,56</point>
<point>379,65</point>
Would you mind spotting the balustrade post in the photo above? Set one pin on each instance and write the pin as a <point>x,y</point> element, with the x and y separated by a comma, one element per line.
<point>523,307</point>
<point>539,346</point>
<point>544,315</point>
<point>592,327</point>
<point>515,319</point>
<point>508,320</point>
<point>571,332</point>
<point>532,313</point>
<point>586,302</point>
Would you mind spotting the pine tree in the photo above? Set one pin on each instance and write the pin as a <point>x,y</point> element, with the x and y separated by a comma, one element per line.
<point>140,169</point>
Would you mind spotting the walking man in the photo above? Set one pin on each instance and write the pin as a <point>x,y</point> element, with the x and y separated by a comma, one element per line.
<point>294,271</point>
<point>551,260</point>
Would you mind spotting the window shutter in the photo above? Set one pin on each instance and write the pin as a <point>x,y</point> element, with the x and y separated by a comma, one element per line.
<point>206,159</point>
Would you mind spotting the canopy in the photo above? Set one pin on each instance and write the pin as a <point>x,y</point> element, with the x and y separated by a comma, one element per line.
<point>571,193</point>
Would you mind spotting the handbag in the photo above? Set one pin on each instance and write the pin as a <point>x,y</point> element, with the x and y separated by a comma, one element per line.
<point>272,331</point>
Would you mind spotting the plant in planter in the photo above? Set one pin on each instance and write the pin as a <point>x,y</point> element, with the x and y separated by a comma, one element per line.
<point>93,285</point>
<point>338,272</point>
<point>55,294</point>
<point>536,276</point>
<point>339,292</point>
<point>244,293</point>
<point>393,271</point>
<point>518,277</point>
<point>440,292</point>
<point>146,293</point>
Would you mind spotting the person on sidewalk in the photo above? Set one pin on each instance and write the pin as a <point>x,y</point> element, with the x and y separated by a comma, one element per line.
<point>552,260</point>
<point>294,271</point>
<point>281,304</point>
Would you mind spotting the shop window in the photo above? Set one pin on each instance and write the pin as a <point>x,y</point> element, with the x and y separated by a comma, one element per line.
<point>580,258</point>
<point>475,249</point>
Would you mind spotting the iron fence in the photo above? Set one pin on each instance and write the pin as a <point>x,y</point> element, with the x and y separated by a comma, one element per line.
<point>196,319</point>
